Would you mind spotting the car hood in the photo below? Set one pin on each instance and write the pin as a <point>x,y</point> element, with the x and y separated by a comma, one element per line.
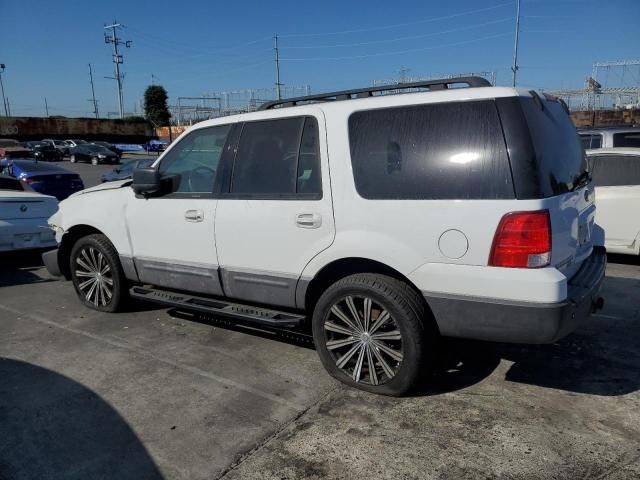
<point>104,186</point>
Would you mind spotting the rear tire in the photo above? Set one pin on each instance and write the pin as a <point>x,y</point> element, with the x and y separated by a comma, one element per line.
<point>374,333</point>
<point>97,274</point>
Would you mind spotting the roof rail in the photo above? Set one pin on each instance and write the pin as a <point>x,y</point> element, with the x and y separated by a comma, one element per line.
<point>437,84</point>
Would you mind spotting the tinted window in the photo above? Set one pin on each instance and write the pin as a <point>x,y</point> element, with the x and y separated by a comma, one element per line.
<point>591,141</point>
<point>616,170</point>
<point>448,150</point>
<point>267,157</point>
<point>629,139</point>
<point>194,160</point>
<point>559,154</point>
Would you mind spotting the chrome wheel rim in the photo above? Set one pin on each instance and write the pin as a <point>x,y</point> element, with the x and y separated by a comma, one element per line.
<point>364,340</point>
<point>94,276</point>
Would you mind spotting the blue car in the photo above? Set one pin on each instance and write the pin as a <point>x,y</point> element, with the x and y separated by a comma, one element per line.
<point>156,146</point>
<point>43,177</point>
<point>125,171</point>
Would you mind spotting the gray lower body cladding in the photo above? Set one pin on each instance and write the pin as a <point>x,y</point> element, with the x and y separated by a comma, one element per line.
<point>522,322</point>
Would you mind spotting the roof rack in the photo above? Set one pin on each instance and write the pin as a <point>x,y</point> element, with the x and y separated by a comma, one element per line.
<point>437,84</point>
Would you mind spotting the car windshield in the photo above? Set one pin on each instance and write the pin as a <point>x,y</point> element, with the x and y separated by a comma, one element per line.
<point>79,142</point>
<point>97,149</point>
<point>9,143</point>
<point>60,143</point>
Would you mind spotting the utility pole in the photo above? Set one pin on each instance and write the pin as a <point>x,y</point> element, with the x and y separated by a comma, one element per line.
<point>514,67</point>
<point>117,60</point>
<point>46,107</point>
<point>278,84</point>
<point>93,93</point>
<point>4,100</point>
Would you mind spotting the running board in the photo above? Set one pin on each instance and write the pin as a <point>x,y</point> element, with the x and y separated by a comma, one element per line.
<point>246,313</point>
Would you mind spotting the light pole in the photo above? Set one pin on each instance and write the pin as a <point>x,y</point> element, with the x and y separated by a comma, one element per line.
<point>4,101</point>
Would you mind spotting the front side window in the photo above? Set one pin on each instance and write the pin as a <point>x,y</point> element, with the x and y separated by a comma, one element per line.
<point>616,170</point>
<point>194,160</point>
<point>438,151</point>
<point>278,158</point>
<point>590,141</point>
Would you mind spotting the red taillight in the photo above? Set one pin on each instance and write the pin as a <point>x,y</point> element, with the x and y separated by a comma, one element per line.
<point>522,240</point>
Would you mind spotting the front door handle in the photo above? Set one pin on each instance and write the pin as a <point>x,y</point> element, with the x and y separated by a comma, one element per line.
<point>194,215</point>
<point>308,220</point>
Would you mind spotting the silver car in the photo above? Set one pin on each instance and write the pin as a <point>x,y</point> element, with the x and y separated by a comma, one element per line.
<point>594,138</point>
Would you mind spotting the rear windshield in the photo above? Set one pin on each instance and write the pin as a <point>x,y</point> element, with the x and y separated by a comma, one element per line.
<point>435,151</point>
<point>559,153</point>
<point>39,167</point>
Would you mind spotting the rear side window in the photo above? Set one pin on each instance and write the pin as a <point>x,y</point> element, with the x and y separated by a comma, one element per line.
<point>628,139</point>
<point>560,158</point>
<point>437,151</point>
<point>616,170</point>
<point>278,158</point>
<point>591,141</point>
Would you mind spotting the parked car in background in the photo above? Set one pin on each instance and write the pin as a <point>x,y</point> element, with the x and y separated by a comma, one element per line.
<point>10,148</point>
<point>45,178</point>
<point>95,154</point>
<point>109,146</point>
<point>156,146</point>
<point>43,151</point>
<point>59,145</point>
<point>616,176</point>
<point>593,138</point>
<point>23,217</point>
<point>75,143</point>
<point>125,171</point>
<point>379,222</point>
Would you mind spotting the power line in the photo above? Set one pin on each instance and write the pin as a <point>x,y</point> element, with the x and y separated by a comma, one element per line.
<point>391,40</point>
<point>399,52</point>
<point>386,27</point>
<point>117,60</point>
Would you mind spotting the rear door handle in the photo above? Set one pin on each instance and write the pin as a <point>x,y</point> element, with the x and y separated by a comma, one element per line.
<point>194,215</point>
<point>308,220</point>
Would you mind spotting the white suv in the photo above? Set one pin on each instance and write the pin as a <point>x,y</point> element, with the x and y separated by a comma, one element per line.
<point>379,221</point>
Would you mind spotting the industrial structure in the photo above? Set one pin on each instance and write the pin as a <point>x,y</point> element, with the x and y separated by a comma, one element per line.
<point>611,86</point>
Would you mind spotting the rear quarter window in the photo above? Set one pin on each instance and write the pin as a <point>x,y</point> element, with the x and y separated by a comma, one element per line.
<point>435,151</point>
<point>616,170</point>
<point>559,155</point>
<point>626,139</point>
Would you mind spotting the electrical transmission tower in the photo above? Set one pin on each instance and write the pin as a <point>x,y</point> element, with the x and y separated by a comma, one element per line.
<point>117,59</point>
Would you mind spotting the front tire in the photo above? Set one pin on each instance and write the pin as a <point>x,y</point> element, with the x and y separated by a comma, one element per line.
<point>373,332</point>
<point>97,274</point>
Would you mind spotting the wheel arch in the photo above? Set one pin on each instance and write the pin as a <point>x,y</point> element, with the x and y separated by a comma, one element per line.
<point>309,292</point>
<point>70,237</point>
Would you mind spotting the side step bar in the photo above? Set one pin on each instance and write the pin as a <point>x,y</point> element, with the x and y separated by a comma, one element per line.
<point>246,313</point>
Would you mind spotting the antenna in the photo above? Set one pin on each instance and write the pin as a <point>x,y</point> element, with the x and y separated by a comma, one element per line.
<point>93,93</point>
<point>278,84</point>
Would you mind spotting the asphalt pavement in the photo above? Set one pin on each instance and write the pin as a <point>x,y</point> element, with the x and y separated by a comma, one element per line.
<point>156,393</point>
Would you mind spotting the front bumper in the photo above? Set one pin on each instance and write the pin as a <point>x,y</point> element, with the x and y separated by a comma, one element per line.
<point>50,260</point>
<point>522,322</point>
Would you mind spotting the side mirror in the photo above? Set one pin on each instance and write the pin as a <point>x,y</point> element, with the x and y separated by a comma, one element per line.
<point>146,181</point>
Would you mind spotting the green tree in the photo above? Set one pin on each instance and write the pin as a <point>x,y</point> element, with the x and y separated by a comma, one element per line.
<point>155,105</point>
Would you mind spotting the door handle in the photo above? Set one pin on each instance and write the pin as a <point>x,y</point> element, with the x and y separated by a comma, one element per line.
<point>194,215</point>
<point>308,220</point>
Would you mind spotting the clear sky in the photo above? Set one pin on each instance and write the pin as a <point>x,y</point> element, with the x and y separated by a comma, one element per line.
<point>196,47</point>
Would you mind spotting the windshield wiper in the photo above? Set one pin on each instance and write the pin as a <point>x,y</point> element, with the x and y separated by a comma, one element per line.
<point>583,179</point>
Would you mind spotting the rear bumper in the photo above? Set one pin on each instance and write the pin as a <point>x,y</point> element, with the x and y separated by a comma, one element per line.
<point>522,322</point>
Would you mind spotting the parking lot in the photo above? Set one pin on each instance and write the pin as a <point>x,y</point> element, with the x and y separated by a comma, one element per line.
<point>156,393</point>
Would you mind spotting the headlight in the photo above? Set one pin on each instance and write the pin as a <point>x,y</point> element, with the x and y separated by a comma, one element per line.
<point>56,228</point>
<point>102,156</point>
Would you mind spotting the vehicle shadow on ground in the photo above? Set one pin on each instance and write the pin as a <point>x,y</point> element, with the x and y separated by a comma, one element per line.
<point>18,268</point>
<point>53,427</point>
<point>600,358</point>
